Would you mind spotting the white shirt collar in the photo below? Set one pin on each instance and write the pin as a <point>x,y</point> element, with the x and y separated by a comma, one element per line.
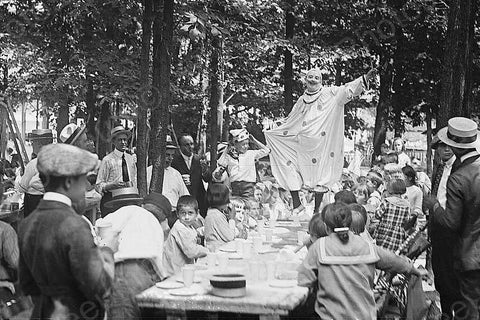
<point>450,161</point>
<point>55,196</point>
<point>118,152</point>
<point>468,155</point>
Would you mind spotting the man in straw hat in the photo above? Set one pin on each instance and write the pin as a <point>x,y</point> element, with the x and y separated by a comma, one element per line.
<point>60,266</point>
<point>461,213</point>
<point>118,168</point>
<point>173,185</point>
<point>442,238</point>
<point>138,261</point>
<point>307,150</point>
<point>30,183</point>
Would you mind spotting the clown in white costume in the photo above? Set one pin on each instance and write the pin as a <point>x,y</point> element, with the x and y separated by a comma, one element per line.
<point>307,149</point>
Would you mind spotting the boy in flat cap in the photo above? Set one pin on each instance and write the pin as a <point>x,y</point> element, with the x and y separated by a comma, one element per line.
<point>60,266</point>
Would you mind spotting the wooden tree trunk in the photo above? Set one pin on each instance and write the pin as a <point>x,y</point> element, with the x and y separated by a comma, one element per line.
<point>456,81</point>
<point>142,134</point>
<point>90,103</point>
<point>383,106</point>
<point>162,44</point>
<point>288,71</point>
<point>428,120</point>
<point>103,128</point>
<point>216,97</point>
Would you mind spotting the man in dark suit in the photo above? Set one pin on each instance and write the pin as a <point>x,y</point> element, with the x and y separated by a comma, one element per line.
<point>193,171</point>
<point>442,238</point>
<point>461,215</point>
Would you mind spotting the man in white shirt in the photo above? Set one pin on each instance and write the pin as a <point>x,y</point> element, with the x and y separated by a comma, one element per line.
<point>173,185</point>
<point>138,261</point>
<point>118,168</point>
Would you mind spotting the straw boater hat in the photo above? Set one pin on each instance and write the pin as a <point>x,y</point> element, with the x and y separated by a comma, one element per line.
<point>118,130</point>
<point>63,160</point>
<point>460,133</point>
<point>124,197</point>
<point>170,144</point>
<point>71,133</point>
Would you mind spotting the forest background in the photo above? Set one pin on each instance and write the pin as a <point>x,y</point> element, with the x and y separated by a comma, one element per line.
<point>202,67</point>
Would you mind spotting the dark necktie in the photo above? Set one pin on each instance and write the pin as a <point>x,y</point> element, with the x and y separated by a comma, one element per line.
<point>437,178</point>
<point>125,169</point>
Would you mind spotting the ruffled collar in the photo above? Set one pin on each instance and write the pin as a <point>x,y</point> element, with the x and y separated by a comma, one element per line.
<point>310,97</point>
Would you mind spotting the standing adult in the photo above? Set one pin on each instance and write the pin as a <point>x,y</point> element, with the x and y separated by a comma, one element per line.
<point>60,266</point>
<point>442,238</point>
<point>193,171</point>
<point>118,168</point>
<point>30,183</point>
<point>460,215</point>
<point>173,185</point>
<point>307,150</point>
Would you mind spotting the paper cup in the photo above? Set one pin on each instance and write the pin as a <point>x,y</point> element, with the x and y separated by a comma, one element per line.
<point>211,260</point>
<point>104,229</point>
<point>260,226</point>
<point>271,268</point>
<point>188,272</point>
<point>272,223</point>
<point>268,235</point>
<point>253,270</point>
<point>222,260</point>
<point>301,236</point>
<point>247,249</point>
<point>257,243</point>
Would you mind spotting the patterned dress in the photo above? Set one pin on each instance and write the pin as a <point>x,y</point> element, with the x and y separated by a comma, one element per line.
<point>392,214</point>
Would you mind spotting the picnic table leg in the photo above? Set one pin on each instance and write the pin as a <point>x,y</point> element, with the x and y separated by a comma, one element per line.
<point>269,317</point>
<point>176,315</point>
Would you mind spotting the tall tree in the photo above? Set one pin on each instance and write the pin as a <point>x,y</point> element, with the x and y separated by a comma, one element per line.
<point>456,91</point>
<point>143,101</point>
<point>159,121</point>
<point>288,56</point>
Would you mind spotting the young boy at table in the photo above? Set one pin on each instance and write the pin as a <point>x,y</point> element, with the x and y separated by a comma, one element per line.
<point>181,247</point>
<point>343,265</point>
<point>220,220</point>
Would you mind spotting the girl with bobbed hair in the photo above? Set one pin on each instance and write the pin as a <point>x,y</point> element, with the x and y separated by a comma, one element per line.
<point>414,193</point>
<point>343,265</point>
<point>220,220</point>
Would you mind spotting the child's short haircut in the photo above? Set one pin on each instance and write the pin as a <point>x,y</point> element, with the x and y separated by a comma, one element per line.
<point>396,186</point>
<point>218,195</point>
<point>363,189</point>
<point>345,196</point>
<point>187,201</point>
<point>359,218</point>
<point>375,177</point>
<point>316,226</point>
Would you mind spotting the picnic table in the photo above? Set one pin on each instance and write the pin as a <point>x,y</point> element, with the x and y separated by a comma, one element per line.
<point>262,298</point>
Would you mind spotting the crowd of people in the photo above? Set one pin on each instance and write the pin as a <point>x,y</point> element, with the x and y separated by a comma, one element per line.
<point>74,267</point>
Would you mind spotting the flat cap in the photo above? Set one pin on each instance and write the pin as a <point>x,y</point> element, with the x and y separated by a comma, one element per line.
<point>64,160</point>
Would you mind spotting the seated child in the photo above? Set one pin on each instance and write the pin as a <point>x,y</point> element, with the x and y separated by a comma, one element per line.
<point>345,196</point>
<point>316,230</point>
<point>181,247</point>
<point>250,222</point>
<point>240,218</point>
<point>375,185</point>
<point>392,214</point>
<point>343,265</point>
<point>360,221</point>
<point>220,221</point>
<point>361,193</point>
